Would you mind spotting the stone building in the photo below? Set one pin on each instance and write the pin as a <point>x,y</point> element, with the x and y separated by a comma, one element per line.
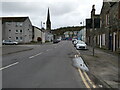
<point>17,29</point>
<point>108,35</point>
<point>110,26</point>
<point>38,33</point>
<point>90,33</point>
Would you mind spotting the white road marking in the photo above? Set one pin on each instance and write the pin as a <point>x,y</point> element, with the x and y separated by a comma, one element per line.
<point>35,55</point>
<point>9,66</point>
<point>48,49</point>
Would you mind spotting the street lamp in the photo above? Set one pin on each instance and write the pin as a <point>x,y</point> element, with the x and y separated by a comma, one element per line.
<point>93,35</point>
<point>42,28</point>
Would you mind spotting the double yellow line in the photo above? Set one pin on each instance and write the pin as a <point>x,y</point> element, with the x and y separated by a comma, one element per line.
<point>85,78</point>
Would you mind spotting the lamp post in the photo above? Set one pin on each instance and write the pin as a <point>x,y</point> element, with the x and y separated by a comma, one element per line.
<point>42,28</point>
<point>93,27</point>
<point>93,35</point>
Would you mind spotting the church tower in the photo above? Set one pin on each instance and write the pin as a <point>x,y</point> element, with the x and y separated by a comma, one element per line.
<point>48,22</point>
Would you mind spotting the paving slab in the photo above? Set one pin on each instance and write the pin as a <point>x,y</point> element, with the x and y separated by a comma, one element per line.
<point>103,65</point>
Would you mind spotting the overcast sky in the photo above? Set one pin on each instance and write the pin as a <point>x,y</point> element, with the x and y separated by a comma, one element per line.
<point>63,12</point>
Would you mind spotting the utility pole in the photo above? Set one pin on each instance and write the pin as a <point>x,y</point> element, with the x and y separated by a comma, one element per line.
<point>41,33</point>
<point>93,28</point>
<point>83,32</point>
<point>93,35</point>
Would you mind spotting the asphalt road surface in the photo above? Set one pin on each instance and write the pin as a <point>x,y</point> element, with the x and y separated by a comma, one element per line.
<point>45,66</point>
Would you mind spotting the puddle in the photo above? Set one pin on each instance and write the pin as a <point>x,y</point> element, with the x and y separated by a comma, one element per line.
<point>79,63</point>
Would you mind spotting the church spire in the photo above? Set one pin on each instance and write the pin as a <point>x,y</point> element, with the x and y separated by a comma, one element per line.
<point>48,22</point>
<point>48,16</point>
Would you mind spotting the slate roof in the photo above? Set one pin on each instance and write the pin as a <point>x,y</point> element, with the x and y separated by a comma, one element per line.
<point>14,19</point>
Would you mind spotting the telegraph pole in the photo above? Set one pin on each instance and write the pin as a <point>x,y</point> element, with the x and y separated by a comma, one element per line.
<point>93,28</point>
<point>93,35</point>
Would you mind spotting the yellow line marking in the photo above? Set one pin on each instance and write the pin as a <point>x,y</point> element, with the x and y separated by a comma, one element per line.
<point>77,56</point>
<point>83,78</point>
<point>94,86</point>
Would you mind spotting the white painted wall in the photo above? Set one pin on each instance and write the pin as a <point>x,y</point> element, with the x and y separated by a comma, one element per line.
<point>43,37</point>
<point>103,39</point>
<point>100,41</point>
<point>37,33</point>
<point>114,41</point>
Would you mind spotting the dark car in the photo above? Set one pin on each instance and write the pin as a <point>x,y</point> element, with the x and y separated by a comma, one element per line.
<point>56,41</point>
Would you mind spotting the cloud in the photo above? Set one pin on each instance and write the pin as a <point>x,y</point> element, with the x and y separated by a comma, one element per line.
<point>63,12</point>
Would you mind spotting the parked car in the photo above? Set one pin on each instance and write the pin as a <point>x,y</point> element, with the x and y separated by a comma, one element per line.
<point>59,40</point>
<point>75,42</point>
<point>81,45</point>
<point>9,42</point>
<point>56,41</point>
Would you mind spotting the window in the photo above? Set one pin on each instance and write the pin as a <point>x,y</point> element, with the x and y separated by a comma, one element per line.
<point>21,38</point>
<point>119,11</point>
<point>17,24</point>
<point>9,37</point>
<point>16,38</point>
<point>21,24</point>
<point>16,31</point>
<point>8,23</point>
<point>100,23</point>
<point>20,31</point>
<point>103,39</point>
<point>107,19</point>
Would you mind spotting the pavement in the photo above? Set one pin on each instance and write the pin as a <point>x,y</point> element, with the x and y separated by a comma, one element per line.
<point>104,66</point>
<point>10,49</point>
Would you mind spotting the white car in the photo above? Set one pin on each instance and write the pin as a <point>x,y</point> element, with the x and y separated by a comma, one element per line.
<point>81,45</point>
<point>9,42</point>
<point>74,39</point>
<point>75,42</point>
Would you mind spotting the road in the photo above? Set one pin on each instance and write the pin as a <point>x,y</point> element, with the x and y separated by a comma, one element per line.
<point>45,66</point>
